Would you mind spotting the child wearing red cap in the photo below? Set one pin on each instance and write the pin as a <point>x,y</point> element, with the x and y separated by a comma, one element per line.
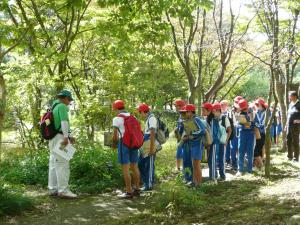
<point>127,157</point>
<point>194,129</point>
<point>260,123</point>
<point>223,121</point>
<point>207,109</point>
<point>179,103</point>
<point>147,158</point>
<point>246,136</point>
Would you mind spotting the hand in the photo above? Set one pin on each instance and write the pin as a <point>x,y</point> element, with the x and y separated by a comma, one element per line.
<point>72,140</point>
<point>65,141</point>
<point>152,152</point>
<point>185,138</point>
<point>296,121</point>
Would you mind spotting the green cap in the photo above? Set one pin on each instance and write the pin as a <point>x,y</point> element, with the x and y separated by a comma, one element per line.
<point>65,93</point>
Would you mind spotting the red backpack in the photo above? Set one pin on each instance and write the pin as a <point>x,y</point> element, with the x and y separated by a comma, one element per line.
<point>133,137</point>
<point>47,127</point>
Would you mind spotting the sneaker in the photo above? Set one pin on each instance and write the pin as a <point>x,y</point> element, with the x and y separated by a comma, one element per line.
<point>190,184</point>
<point>53,193</point>
<point>238,174</point>
<point>67,195</point>
<point>136,193</point>
<point>234,169</point>
<point>221,179</point>
<point>126,195</point>
<point>146,189</point>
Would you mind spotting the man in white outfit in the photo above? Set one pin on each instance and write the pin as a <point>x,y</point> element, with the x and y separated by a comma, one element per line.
<point>59,168</point>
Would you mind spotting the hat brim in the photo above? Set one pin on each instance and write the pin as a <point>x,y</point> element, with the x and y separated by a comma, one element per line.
<point>60,95</point>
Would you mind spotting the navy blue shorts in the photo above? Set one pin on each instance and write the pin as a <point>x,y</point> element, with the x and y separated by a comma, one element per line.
<point>179,153</point>
<point>196,150</point>
<point>126,155</point>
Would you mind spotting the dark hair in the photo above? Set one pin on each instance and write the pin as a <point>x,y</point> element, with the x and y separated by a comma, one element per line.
<point>293,93</point>
<point>210,118</point>
<point>61,96</point>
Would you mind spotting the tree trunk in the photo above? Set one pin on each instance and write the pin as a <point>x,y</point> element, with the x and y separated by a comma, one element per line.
<point>280,93</point>
<point>2,107</point>
<point>192,95</point>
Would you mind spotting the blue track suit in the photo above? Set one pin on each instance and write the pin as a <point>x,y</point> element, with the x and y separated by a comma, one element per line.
<point>147,168</point>
<point>246,144</point>
<point>234,148</point>
<point>221,160</point>
<point>179,150</point>
<point>214,149</point>
<point>260,123</point>
<point>193,149</point>
<point>147,164</point>
<point>227,150</point>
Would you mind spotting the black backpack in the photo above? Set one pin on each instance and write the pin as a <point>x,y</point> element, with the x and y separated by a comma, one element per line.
<point>231,125</point>
<point>162,134</point>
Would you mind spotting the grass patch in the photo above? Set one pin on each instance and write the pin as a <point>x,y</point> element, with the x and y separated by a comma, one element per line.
<point>12,201</point>
<point>238,201</point>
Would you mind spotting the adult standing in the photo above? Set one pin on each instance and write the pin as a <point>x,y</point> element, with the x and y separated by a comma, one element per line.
<point>59,168</point>
<point>293,126</point>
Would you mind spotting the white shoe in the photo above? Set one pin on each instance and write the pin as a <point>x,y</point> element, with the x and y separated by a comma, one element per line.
<point>238,174</point>
<point>67,195</point>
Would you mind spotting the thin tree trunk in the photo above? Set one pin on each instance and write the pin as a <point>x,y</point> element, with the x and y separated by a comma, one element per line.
<point>2,107</point>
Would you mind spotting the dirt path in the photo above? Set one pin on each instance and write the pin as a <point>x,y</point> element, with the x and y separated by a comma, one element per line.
<point>98,209</point>
<point>108,208</point>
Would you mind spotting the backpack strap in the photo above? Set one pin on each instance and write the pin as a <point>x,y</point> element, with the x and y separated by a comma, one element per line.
<point>57,103</point>
<point>124,117</point>
<point>148,118</point>
<point>223,118</point>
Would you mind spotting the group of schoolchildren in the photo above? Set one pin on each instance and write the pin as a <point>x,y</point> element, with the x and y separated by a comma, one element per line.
<point>233,136</point>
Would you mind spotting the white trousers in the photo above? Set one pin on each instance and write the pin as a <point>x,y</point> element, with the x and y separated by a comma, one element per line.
<point>59,168</point>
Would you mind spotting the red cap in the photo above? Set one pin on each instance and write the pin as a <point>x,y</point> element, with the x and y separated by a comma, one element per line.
<point>188,108</point>
<point>217,106</point>
<point>237,99</point>
<point>143,107</point>
<point>266,105</point>
<point>118,104</point>
<point>207,106</point>
<point>261,102</point>
<point>179,102</point>
<point>243,104</point>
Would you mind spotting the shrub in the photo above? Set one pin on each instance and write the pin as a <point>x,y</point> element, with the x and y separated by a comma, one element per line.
<point>93,169</point>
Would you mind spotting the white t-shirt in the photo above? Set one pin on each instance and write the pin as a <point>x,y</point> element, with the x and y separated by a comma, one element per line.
<point>118,122</point>
<point>227,122</point>
<point>151,123</point>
